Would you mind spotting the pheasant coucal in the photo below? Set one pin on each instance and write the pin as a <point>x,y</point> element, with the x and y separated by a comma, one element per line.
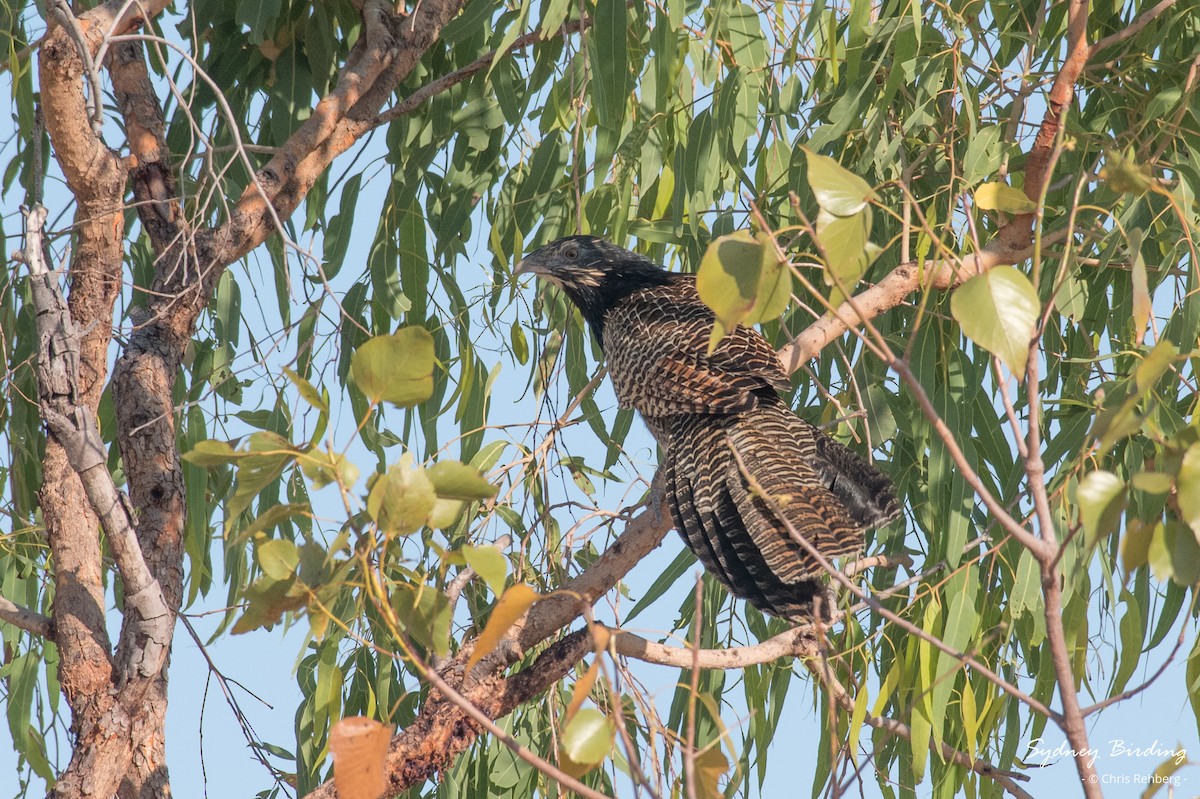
<point>702,408</point>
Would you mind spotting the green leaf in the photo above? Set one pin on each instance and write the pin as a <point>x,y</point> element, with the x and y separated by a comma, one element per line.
<point>1162,773</point>
<point>1184,552</point>
<point>667,578</point>
<point>1151,482</point>
<point>1158,553</point>
<point>1101,498</point>
<point>21,674</point>
<point>396,368</point>
<point>273,516</point>
<point>1135,545</point>
<point>1192,677</point>
<point>425,614</point>
<point>489,563</point>
<point>337,232</point>
<point>211,453</point>
<point>323,467</point>
<point>258,16</point>
<point>610,73</point>
<point>984,153</point>
<point>520,346</point>
<point>996,196</point>
<point>554,13</point>
<point>848,252</point>
<point>1155,365</point>
<point>1132,635</point>
<point>401,500</point>
<point>457,480</point>
<point>446,512</point>
<point>749,50</point>
<point>515,29</point>
<point>263,462</point>
<point>999,310</point>
<point>1125,176</point>
<point>587,738</point>
<point>970,717</point>
<point>277,558</point>
<point>743,282</point>
<point>267,600</point>
<point>838,190</point>
<point>1072,296</point>
<point>1140,286</point>
<point>307,390</point>
<point>1187,484</point>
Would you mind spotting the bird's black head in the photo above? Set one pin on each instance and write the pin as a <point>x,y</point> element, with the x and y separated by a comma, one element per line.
<point>595,274</point>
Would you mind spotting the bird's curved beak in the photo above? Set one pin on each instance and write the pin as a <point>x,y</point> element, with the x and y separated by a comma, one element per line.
<point>530,265</point>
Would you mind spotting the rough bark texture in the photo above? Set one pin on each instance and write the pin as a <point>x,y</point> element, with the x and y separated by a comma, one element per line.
<point>118,698</point>
<point>97,178</point>
<point>443,730</point>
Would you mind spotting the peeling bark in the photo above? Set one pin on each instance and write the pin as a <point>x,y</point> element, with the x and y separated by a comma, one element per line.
<point>118,699</point>
<point>96,177</point>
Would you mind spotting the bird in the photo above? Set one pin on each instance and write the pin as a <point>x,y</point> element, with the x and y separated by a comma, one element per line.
<point>740,472</point>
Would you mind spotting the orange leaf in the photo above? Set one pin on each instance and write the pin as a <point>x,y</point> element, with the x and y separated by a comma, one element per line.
<point>511,607</point>
<point>583,687</point>
<point>359,746</point>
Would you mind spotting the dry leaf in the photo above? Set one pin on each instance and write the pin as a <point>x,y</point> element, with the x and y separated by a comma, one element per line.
<point>359,746</point>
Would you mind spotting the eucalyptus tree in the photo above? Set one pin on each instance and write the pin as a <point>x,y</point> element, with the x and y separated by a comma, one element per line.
<point>262,351</point>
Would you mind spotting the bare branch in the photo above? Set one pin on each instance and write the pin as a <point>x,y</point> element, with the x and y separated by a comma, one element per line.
<point>641,536</point>
<point>74,427</point>
<point>1006,779</point>
<point>60,11</point>
<point>1132,692</point>
<point>999,513</point>
<point>893,290</point>
<point>796,642</point>
<point>28,620</point>
<point>449,81</point>
<point>1133,28</point>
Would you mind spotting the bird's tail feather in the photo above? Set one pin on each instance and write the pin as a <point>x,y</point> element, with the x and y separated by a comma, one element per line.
<point>727,507</point>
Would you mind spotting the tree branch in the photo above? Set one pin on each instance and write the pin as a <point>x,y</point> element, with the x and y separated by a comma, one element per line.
<point>1133,28</point>
<point>28,620</point>
<point>393,45</point>
<point>444,729</point>
<point>74,428</point>
<point>903,281</point>
<point>796,642</point>
<point>449,81</point>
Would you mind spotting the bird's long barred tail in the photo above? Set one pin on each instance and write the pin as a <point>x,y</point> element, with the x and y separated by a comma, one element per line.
<point>728,508</point>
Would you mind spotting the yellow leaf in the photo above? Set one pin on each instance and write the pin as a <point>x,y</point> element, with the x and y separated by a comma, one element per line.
<point>711,765</point>
<point>583,687</point>
<point>996,196</point>
<point>512,606</point>
<point>1141,287</point>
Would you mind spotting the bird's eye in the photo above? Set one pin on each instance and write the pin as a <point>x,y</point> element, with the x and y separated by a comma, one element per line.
<point>571,253</point>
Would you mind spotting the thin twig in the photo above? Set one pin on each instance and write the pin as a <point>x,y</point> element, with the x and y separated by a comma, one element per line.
<point>689,746</point>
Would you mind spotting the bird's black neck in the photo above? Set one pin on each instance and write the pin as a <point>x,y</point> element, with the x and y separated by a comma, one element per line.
<point>595,302</point>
